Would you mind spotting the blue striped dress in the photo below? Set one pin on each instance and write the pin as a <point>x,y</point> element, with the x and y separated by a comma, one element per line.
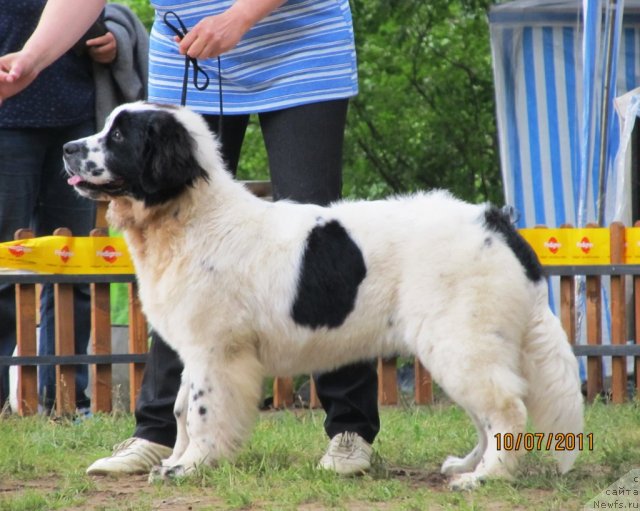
<point>303,52</point>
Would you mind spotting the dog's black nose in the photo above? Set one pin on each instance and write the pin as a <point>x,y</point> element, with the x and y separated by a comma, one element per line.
<point>71,147</point>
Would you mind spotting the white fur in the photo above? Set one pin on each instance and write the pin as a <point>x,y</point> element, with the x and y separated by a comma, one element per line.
<point>218,271</point>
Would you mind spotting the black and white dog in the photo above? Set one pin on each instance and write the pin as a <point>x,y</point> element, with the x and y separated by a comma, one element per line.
<point>242,288</point>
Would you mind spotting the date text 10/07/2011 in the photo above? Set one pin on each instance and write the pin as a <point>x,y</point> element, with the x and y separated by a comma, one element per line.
<point>544,441</point>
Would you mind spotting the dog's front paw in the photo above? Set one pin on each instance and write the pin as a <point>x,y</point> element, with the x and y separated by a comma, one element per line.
<point>465,482</point>
<point>167,473</point>
<point>170,461</point>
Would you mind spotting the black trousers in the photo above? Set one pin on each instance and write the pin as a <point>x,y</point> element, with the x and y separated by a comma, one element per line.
<point>304,147</point>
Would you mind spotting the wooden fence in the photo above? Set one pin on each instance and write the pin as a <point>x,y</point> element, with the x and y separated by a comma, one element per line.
<point>619,276</point>
<point>65,359</point>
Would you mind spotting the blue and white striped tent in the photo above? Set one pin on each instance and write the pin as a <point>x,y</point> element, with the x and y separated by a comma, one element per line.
<point>549,76</point>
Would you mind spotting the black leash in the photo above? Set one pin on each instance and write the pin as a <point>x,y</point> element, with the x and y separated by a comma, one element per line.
<point>182,31</point>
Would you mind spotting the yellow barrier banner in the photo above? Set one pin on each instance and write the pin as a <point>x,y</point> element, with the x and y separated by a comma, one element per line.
<point>551,245</point>
<point>591,245</point>
<point>109,255</point>
<point>632,245</point>
<point>67,255</point>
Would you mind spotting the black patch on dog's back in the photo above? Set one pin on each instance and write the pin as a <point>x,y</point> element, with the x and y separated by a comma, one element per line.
<point>497,221</point>
<point>332,269</point>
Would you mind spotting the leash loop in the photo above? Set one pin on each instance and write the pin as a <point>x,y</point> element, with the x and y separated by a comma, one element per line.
<point>198,72</point>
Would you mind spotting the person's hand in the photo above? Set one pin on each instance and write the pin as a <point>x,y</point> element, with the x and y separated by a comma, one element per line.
<point>103,49</point>
<point>213,35</point>
<point>17,71</point>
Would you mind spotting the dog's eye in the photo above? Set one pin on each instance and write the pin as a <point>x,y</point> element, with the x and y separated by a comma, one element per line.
<point>116,135</point>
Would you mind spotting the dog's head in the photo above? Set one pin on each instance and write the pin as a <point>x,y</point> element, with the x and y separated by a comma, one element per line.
<point>145,151</point>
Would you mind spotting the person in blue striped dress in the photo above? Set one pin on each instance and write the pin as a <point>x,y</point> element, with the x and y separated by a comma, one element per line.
<point>293,64</point>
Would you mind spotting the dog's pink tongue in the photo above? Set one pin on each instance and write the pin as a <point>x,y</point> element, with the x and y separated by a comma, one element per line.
<point>74,180</point>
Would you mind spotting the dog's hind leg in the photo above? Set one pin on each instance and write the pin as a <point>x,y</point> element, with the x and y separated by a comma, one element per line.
<point>507,420</point>
<point>454,465</point>
<point>484,381</point>
<point>222,404</point>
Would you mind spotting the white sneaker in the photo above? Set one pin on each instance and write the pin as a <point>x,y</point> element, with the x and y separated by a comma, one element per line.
<point>348,454</point>
<point>133,456</point>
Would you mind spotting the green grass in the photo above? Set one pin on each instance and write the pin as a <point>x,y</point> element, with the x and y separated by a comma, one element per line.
<point>42,466</point>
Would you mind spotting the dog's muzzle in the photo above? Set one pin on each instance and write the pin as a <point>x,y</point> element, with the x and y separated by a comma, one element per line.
<point>73,154</point>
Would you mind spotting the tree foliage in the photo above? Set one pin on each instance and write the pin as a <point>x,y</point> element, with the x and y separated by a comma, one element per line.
<point>425,114</point>
<point>424,117</point>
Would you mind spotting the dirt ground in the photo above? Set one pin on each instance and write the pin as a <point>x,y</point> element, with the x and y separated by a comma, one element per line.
<point>123,493</point>
<point>112,493</point>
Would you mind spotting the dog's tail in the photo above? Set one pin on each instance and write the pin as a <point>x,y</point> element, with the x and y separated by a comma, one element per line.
<point>554,398</point>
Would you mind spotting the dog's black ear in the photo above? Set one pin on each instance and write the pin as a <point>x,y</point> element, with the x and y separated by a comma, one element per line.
<point>169,161</point>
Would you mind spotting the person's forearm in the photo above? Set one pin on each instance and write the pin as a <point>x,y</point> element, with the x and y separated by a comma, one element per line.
<point>62,23</point>
<point>217,34</point>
